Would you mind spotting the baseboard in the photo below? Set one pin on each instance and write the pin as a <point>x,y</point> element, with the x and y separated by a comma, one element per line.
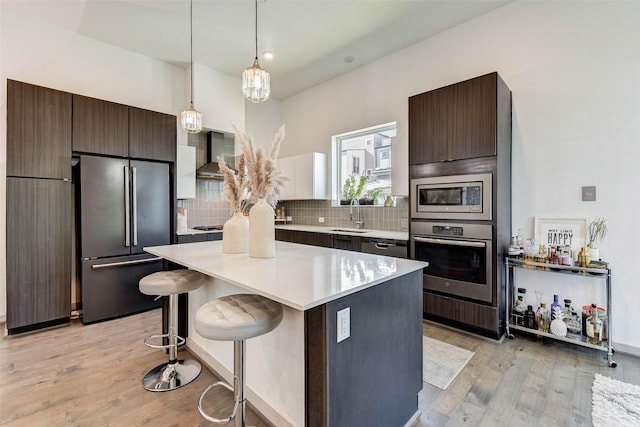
<point>259,406</point>
<point>626,349</point>
<point>3,318</point>
<point>414,419</point>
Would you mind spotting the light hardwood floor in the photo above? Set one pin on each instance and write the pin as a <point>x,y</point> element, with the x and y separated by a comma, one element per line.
<point>90,376</point>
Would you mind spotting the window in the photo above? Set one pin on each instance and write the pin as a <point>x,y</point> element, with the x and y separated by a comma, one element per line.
<point>364,154</point>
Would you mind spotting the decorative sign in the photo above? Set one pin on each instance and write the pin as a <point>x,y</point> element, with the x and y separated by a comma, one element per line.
<point>561,231</point>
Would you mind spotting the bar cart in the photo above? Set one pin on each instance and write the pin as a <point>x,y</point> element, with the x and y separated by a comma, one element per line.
<point>602,273</point>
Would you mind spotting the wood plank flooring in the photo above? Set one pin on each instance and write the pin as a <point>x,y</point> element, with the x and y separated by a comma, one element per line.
<point>90,376</point>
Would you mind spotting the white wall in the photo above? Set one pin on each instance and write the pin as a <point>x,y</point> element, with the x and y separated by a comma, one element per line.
<point>263,121</point>
<point>574,72</point>
<point>41,54</point>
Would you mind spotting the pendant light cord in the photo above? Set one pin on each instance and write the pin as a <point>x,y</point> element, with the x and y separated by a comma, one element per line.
<point>191,43</point>
<point>256,30</point>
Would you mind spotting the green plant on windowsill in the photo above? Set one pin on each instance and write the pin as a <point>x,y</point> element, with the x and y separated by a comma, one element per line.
<point>352,188</point>
<point>371,197</point>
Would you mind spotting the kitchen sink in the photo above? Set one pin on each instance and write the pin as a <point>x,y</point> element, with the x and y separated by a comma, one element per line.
<point>348,230</point>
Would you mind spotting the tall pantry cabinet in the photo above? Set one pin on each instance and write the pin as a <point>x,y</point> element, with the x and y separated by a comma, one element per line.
<point>38,206</point>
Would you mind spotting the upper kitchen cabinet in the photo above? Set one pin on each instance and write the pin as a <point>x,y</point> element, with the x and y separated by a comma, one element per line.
<point>152,135</point>
<point>307,177</point>
<point>100,127</point>
<point>38,131</point>
<point>185,172</point>
<point>456,122</point>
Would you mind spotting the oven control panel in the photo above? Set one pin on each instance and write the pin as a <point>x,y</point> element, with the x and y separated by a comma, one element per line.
<point>443,230</point>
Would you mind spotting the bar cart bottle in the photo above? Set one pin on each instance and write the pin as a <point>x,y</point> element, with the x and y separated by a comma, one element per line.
<point>594,327</point>
<point>542,318</point>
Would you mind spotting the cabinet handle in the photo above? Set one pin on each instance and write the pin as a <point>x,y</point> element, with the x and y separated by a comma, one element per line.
<point>135,206</point>
<point>450,242</point>
<point>123,263</point>
<point>127,214</point>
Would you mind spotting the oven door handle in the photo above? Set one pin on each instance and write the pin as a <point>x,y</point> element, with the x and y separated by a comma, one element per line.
<point>450,242</point>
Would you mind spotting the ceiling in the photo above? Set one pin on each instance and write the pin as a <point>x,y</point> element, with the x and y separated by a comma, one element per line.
<point>309,38</point>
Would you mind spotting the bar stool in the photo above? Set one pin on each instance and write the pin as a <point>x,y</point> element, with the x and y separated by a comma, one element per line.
<point>175,373</point>
<point>235,318</point>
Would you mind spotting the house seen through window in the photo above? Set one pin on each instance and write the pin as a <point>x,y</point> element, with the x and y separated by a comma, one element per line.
<point>362,164</point>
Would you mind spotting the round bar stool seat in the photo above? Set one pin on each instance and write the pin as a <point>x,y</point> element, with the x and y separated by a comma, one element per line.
<point>236,318</point>
<point>175,373</point>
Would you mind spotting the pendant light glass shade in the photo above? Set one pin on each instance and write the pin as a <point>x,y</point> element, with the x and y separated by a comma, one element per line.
<point>191,119</point>
<point>256,82</point>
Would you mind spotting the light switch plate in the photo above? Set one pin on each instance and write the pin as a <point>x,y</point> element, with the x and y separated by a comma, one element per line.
<point>321,219</point>
<point>343,324</point>
<point>589,193</point>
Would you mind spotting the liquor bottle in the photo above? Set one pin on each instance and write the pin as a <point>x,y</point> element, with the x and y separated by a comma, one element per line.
<point>553,307</point>
<point>594,327</point>
<point>542,318</point>
<point>529,318</point>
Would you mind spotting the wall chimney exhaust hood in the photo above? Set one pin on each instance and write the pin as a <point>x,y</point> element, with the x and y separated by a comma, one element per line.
<point>218,145</point>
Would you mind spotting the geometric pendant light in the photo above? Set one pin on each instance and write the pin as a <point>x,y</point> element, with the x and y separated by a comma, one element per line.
<point>191,119</point>
<point>256,82</point>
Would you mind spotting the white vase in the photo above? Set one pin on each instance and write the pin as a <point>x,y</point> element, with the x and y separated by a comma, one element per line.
<point>235,234</point>
<point>594,253</point>
<point>262,231</point>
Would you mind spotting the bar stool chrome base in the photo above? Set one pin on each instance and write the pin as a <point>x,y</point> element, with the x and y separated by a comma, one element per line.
<point>170,376</point>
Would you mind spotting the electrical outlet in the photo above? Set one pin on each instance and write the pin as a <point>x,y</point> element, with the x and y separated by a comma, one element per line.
<point>343,324</point>
<point>321,219</point>
<point>404,223</point>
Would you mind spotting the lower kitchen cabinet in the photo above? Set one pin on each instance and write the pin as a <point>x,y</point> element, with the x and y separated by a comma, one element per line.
<point>305,237</point>
<point>38,253</point>
<point>458,311</point>
<point>348,242</point>
<point>199,237</point>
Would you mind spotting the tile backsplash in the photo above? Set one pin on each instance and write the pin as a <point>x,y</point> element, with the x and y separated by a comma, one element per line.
<point>209,208</point>
<point>307,212</point>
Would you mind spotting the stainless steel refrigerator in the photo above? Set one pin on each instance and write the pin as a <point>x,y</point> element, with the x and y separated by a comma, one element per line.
<point>123,207</point>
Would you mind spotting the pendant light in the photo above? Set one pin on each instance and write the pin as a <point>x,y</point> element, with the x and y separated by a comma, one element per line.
<point>256,83</point>
<point>191,119</point>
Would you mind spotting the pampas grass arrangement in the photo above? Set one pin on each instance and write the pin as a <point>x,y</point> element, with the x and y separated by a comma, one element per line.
<point>263,179</point>
<point>257,176</point>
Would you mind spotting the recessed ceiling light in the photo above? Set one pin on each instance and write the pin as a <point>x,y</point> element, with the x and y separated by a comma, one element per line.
<point>267,54</point>
<point>349,59</point>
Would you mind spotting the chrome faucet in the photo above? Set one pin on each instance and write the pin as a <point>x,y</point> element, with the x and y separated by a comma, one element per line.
<point>359,220</point>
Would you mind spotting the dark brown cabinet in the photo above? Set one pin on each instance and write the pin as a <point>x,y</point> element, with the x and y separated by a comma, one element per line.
<point>457,121</point>
<point>305,237</point>
<point>38,131</point>
<point>100,127</point>
<point>200,237</point>
<point>348,242</point>
<point>152,135</point>
<point>38,253</point>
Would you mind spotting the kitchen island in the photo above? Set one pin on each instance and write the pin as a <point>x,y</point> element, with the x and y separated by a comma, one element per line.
<point>299,374</point>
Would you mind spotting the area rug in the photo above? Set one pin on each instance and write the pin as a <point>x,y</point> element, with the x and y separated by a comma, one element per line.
<point>442,362</point>
<point>614,403</point>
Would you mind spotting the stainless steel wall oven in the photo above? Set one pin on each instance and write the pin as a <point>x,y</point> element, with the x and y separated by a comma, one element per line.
<point>459,255</point>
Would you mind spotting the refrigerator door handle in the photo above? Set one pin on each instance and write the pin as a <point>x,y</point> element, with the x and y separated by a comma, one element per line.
<point>127,217</point>
<point>122,263</point>
<point>134,200</point>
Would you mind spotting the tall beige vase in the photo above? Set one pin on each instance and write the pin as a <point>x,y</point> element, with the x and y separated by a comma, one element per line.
<point>262,231</point>
<point>235,234</point>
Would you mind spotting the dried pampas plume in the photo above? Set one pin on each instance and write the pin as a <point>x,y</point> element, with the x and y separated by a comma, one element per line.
<point>233,188</point>
<point>263,179</point>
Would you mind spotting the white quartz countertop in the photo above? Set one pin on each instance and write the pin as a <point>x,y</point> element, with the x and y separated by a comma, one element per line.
<point>380,234</point>
<point>299,276</point>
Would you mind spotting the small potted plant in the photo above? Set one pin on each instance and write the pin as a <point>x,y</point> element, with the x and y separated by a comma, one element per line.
<point>371,198</point>
<point>352,188</point>
<point>597,232</point>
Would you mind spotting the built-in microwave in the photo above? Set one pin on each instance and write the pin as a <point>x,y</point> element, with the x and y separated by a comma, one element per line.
<point>461,197</point>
